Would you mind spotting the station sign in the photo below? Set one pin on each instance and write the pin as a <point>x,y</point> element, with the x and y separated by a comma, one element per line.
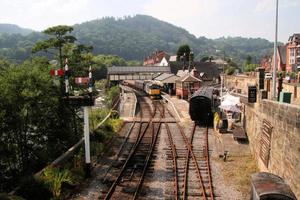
<point>252,92</point>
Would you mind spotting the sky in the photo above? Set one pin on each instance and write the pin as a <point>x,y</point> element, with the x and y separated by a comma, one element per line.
<point>209,18</point>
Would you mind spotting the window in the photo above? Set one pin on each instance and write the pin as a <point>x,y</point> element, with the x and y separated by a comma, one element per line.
<point>292,52</point>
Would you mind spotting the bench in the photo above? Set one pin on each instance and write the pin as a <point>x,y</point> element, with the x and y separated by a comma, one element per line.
<point>239,133</point>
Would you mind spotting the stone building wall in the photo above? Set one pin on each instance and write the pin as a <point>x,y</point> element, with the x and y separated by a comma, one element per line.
<point>284,153</point>
<point>240,85</point>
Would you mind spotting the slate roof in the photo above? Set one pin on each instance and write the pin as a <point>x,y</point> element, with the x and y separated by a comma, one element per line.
<point>163,76</point>
<point>189,78</point>
<point>167,78</point>
<point>138,69</point>
<point>209,68</point>
<point>282,54</point>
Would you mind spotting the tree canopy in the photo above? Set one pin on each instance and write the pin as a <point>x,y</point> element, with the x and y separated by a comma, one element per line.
<point>56,42</point>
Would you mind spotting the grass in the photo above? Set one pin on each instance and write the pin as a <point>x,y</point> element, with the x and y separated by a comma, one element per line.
<point>237,171</point>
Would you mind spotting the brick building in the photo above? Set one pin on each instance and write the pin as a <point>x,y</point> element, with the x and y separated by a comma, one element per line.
<point>156,58</point>
<point>293,53</point>
<point>288,56</point>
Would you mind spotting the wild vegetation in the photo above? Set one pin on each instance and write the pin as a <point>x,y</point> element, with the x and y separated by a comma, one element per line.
<point>37,125</point>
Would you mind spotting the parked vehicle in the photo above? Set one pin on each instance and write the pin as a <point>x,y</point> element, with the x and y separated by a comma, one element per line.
<point>268,76</point>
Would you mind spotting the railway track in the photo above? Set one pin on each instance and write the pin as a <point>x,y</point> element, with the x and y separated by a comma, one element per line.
<point>130,177</point>
<point>191,167</point>
<point>187,158</point>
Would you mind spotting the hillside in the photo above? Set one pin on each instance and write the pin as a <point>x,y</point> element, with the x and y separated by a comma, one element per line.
<point>134,38</point>
<point>14,29</point>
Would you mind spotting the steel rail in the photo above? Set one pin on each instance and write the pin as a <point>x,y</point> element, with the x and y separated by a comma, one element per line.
<point>206,155</point>
<point>174,156</point>
<point>147,161</point>
<point>189,146</point>
<point>132,152</point>
<point>187,167</point>
<point>208,164</point>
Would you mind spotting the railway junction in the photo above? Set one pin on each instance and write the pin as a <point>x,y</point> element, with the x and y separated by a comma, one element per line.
<point>161,154</point>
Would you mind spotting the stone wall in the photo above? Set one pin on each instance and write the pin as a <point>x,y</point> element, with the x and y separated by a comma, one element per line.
<point>240,85</point>
<point>284,151</point>
<point>284,155</point>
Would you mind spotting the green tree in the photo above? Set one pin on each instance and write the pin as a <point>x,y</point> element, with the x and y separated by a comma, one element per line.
<point>58,38</point>
<point>230,70</point>
<point>250,67</point>
<point>248,60</point>
<point>183,50</point>
<point>33,130</point>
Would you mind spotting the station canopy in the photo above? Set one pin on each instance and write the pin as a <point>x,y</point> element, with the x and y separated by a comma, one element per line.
<point>137,69</point>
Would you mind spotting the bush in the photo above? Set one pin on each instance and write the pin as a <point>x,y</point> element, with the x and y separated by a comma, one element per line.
<point>111,94</point>
<point>33,189</point>
<point>5,196</point>
<point>55,177</point>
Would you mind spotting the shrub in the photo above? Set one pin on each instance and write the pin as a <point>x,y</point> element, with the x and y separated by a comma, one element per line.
<point>4,196</point>
<point>55,177</point>
<point>34,189</point>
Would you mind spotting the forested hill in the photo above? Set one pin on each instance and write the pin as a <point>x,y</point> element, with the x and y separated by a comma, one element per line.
<point>14,29</point>
<point>133,38</point>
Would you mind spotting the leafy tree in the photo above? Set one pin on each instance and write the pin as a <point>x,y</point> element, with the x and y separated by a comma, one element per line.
<point>58,38</point>
<point>250,67</point>
<point>248,60</point>
<point>4,64</point>
<point>230,70</point>
<point>183,50</point>
<point>33,130</point>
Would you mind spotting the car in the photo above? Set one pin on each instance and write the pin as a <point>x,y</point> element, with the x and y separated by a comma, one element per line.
<point>268,76</point>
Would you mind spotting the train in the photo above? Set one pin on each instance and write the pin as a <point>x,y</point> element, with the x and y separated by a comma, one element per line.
<point>150,87</point>
<point>202,105</point>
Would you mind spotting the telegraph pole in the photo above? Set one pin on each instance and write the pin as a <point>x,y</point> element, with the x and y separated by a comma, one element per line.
<point>275,52</point>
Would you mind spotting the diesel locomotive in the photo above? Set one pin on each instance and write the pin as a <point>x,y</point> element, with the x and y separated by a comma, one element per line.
<point>150,87</point>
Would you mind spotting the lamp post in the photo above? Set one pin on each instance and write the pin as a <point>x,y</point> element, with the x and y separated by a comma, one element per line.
<point>275,52</point>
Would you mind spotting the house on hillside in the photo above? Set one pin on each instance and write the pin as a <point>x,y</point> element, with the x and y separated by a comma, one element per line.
<point>158,58</point>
